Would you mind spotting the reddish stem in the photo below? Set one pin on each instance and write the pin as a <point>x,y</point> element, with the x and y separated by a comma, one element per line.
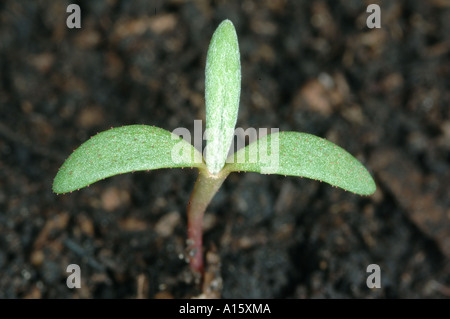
<point>205,188</point>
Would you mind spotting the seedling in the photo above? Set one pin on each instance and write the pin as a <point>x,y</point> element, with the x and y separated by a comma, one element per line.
<point>141,147</point>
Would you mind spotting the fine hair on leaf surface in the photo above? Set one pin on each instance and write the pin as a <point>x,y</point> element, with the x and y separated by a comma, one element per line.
<point>304,155</point>
<point>222,93</point>
<point>122,150</point>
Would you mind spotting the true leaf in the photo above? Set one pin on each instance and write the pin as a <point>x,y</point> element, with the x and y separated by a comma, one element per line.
<point>121,150</point>
<point>222,92</point>
<point>305,155</point>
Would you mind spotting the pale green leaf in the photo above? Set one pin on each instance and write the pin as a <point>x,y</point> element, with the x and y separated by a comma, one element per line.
<point>305,155</point>
<point>222,92</point>
<point>121,150</point>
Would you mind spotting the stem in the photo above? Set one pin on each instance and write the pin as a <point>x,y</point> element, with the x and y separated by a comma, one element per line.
<point>205,188</point>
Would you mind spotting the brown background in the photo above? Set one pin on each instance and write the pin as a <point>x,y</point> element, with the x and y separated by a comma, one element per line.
<point>310,66</point>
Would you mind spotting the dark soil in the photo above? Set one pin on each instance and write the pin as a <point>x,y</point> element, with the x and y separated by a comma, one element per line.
<point>312,66</point>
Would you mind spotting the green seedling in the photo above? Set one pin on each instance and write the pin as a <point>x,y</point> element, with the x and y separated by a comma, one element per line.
<point>140,147</point>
